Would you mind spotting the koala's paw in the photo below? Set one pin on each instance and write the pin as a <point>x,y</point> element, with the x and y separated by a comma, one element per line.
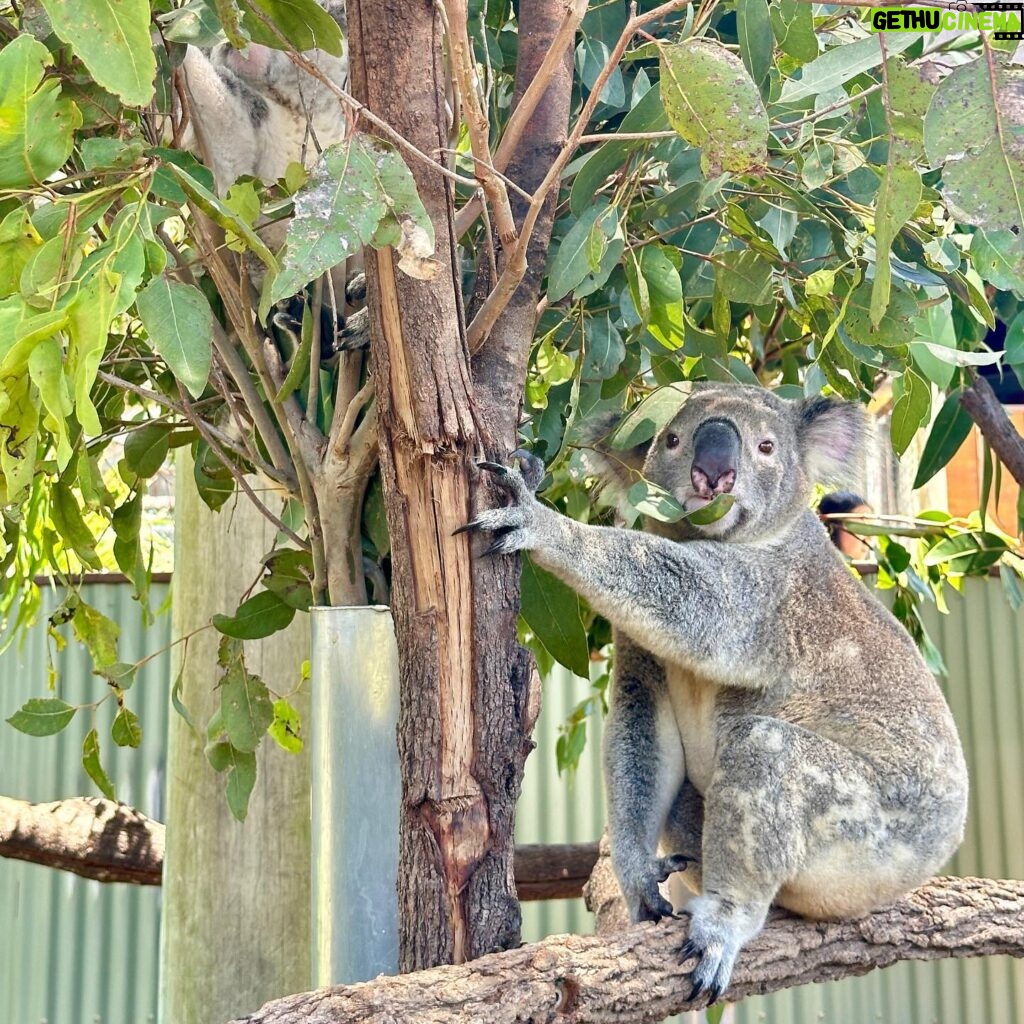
<point>715,942</point>
<point>511,524</point>
<point>645,901</point>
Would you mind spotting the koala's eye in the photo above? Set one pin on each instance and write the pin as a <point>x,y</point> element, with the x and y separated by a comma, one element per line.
<point>671,440</point>
<point>766,447</point>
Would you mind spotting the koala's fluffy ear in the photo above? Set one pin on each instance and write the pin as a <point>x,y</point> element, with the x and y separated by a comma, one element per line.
<point>832,436</point>
<point>616,469</point>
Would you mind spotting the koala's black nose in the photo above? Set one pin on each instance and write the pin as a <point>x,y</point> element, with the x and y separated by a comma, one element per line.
<point>716,452</point>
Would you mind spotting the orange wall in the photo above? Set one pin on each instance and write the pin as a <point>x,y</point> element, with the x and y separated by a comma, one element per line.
<point>963,481</point>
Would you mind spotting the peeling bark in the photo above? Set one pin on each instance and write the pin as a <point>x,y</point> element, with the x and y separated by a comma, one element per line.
<point>636,974</point>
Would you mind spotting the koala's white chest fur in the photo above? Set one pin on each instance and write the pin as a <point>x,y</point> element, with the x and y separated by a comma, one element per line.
<point>693,703</point>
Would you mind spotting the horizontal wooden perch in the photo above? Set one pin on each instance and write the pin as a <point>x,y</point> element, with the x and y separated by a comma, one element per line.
<point>635,974</point>
<point>115,843</point>
<point>94,838</point>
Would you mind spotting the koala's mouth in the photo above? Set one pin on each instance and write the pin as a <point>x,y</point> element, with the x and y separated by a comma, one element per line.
<point>732,519</point>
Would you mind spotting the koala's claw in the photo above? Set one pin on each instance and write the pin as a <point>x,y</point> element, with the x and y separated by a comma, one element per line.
<point>530,474</point>
<point>654,906</point>
<point>704,981</point>
<point>672,863</point>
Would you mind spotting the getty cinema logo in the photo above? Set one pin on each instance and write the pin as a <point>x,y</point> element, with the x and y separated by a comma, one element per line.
<point>1004,21</point>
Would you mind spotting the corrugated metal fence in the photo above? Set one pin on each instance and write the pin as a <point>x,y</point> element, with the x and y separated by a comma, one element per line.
<point>78,952</point>
<point>74,951</point>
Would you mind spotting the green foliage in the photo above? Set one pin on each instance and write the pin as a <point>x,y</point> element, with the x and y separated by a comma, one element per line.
<point>358,194</point>
<point>42,716</point>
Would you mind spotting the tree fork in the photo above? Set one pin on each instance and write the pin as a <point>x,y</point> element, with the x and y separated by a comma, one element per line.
<point>636,975</point>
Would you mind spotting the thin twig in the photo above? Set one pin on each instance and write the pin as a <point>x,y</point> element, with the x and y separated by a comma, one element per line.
<point>236,473</point>
<point>223,439</point>
<point>514,270</point>
<point>628,136</point>
<point>477,125</point>
<point>526,106</point>
<point>382,126</point>
<point>316,306</point>
<point>264,425</point>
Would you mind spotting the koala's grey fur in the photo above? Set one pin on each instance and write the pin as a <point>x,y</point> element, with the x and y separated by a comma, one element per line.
<point>256,112</point>
<point>769,717</point>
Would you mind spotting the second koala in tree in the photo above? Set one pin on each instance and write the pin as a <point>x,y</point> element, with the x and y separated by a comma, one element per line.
<point>769,717</point>
<point>256,112</point>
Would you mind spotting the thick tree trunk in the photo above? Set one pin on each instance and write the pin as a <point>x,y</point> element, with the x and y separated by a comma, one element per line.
<point>636,974</point>
<point>428,440</point>
<point>509,710</point>
<point>468,693</point>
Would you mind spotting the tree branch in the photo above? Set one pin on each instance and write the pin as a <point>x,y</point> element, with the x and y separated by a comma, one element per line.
<point>508,282</point>
<point>112,842</point>
<point>982,405</point>
<point>94,838</point>
<point>636,974</point>
<point>626,975</point>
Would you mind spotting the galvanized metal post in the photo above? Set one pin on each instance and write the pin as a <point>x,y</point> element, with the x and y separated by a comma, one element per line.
<point>356,793</point>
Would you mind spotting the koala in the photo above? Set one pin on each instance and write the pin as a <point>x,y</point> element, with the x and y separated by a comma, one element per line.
<point>254,112</point>
<point>769,718</point>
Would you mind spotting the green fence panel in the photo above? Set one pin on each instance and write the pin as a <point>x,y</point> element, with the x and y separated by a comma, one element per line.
<point>76,951</point>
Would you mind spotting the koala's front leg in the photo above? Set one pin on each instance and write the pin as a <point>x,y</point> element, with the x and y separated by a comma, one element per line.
<point>643,770</point>
<point>668,596</point>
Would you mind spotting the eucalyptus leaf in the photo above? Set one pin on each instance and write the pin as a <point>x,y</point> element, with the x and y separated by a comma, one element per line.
<point>112,37</point>
<point>982,154</point>
<point>571,262</point>
<point>93,767</point>
<point>967,553</point>
<point>245,706</point>
<point>910,411</point>
<point>126,730</point>
<point>36,129</point>
<point>653,413</point>
<point>179,322</point>
<point>552,611</point>
<point>711,101</point>
<point>838,65</point>
<point>42,716</point>
<point>359,193</point>
<point>258,616</point>
<point>949,431</point>
<point>285,729</point>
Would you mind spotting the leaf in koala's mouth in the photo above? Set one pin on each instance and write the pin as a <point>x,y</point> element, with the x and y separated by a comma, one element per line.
<point>651,500</point>
<point>712,511</point>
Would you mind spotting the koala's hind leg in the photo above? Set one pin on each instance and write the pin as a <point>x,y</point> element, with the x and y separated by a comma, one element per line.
<point>781,799</point>
<point>643,773</point>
